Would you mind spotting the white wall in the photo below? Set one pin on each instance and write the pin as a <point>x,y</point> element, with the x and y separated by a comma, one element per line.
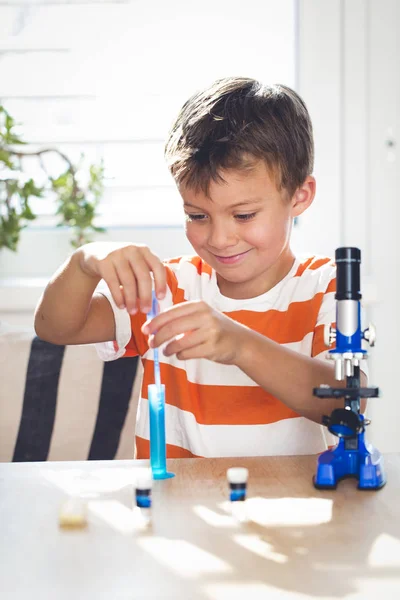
<point>350,78</point>
<point>319,84</point>
<point>113,87</point>
<point>111,90</point>
<point>383,210</point>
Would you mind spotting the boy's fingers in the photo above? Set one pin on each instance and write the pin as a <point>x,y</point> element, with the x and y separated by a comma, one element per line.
<point>160,276</point>
<point>183,325</point>
<point>172,313</point>
<point>110,276</point>
<point>198,351</point>
<point>187,341</point>
<point>128,282</point>
<point>158,270</point>
<point>143,281</point>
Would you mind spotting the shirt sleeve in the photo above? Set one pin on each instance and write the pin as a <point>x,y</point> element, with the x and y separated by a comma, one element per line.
<point>112,350</point>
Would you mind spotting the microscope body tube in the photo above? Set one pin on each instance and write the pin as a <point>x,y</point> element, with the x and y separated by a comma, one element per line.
<point>348,327</point>
<point>348,312</point>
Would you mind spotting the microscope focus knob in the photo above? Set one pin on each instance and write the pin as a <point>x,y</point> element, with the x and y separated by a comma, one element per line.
<point>370,335</point>
<point>329,335</point>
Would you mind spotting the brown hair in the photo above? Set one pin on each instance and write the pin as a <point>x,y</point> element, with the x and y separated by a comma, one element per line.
<point>234,122</point>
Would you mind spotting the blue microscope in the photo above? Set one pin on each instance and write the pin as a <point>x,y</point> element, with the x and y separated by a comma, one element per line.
<point>353,456</point>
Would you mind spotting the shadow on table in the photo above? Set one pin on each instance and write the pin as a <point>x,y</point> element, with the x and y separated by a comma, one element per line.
<point>325,545</point>
<point>320,546</point>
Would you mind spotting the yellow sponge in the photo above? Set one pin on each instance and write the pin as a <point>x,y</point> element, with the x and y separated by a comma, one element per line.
<point>73,514</point>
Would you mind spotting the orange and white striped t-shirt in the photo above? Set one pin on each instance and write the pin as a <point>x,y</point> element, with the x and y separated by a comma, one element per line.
<point>217,410</point>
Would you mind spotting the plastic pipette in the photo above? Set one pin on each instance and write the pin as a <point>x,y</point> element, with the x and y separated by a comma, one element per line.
<point>157,375</point>
<point>156,394</point>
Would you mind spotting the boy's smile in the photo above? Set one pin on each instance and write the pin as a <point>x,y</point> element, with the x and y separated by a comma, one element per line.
<point>242,228</point>
<point>231,259</point>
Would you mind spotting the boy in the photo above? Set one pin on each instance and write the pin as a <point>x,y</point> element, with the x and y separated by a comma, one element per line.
<point>241,323</point>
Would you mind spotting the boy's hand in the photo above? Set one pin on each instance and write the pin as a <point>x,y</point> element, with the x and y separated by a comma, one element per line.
<point>195,330</point>
<point>126,269</point>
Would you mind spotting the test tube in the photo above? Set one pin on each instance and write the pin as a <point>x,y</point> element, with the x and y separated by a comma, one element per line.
<point>158,448</point>
<point>156,395</point>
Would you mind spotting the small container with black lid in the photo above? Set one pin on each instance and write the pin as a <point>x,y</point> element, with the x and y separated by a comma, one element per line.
<point>143,487</point>
<point>237,479</point>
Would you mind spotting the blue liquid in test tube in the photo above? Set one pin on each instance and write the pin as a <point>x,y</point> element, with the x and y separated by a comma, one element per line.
<point>156,395</point>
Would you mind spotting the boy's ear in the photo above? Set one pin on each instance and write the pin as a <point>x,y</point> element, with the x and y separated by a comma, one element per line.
<point>303,196</point>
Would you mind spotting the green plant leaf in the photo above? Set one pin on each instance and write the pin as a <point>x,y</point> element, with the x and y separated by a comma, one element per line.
<point>76,206</point>
<point>6,158</point>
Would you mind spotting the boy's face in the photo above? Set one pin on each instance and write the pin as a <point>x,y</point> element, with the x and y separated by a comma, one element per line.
<point>243,229</point>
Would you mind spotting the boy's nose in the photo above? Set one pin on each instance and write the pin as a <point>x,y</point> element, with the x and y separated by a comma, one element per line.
<point>221,237</point>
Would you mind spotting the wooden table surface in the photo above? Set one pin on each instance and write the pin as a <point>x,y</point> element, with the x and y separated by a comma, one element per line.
<point>298,542</point>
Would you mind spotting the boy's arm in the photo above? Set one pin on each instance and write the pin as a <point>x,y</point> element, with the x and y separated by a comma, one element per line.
<point>292,376</point>
<point>70,313</point>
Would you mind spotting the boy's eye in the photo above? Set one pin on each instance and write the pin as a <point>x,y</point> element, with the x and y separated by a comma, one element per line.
<point>195,217</point>
<point>245,217</point>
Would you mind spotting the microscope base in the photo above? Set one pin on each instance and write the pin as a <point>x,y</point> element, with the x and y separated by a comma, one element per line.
<point>364,462</point>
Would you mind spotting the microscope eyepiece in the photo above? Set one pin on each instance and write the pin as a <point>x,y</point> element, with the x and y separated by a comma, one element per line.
<point>348,273</point>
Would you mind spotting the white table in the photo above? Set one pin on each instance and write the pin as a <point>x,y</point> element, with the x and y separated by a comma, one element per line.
<point>299,542</point>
